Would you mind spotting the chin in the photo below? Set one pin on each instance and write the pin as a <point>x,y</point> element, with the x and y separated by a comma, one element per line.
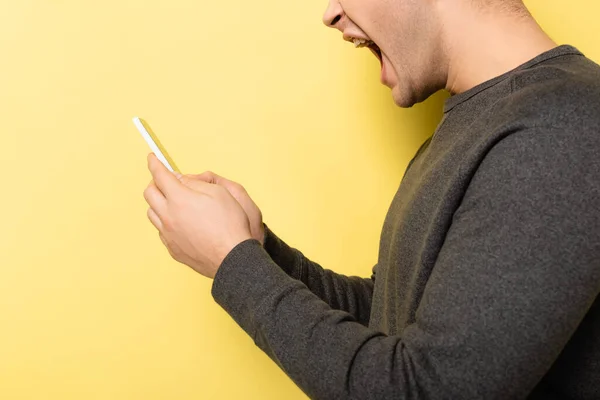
<point>403,99</point>
<point>406,98</point>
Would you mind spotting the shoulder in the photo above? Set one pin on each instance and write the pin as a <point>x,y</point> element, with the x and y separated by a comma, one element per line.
<point>545,176</point>
<point>563,94</point>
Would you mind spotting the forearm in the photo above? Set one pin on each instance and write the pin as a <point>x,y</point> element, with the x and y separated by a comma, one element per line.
<point>449,352</point>
<point>351,294</point>
<point>326,352</point>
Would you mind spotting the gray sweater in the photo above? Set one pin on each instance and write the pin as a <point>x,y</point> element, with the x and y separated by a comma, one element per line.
<point>488,276</point>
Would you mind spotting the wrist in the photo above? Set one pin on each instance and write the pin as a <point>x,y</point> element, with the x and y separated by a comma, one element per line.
<point>228,248</point>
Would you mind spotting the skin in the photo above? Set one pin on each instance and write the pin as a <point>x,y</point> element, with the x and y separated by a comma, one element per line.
<point>426,45</point>
<point>200,218</point>
<point>429,45</point>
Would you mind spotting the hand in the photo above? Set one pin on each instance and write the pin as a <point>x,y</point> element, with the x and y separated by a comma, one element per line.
<point>254,214</point>
<point>199,223</point>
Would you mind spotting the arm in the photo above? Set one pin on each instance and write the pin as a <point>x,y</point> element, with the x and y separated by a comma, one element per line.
<point>516,275</point>
<point>351,294</point>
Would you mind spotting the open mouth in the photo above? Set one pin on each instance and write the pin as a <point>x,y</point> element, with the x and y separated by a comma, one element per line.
<point>376,50</point>
<point>369,44</point>
<point>386,74</point>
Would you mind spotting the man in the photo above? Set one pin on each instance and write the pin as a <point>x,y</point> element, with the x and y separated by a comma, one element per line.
<point>488,276</point>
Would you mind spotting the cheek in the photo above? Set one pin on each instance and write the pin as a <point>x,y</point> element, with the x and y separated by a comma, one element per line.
<point>396,23</point>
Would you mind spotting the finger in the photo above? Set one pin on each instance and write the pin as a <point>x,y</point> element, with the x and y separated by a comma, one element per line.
<point>197,185</point>
<point>153,217</point>
<point>162,239</point>
<point>208,176</point>
<point>166,182</point>
<point>155,199</point>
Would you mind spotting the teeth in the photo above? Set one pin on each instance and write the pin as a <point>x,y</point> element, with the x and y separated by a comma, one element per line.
<point>361,42</point>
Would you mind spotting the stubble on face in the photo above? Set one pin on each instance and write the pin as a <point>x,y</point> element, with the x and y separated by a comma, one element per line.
<point>409,35</point>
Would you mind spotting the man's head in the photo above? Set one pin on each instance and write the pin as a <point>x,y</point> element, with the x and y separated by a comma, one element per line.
<point>412,38</point>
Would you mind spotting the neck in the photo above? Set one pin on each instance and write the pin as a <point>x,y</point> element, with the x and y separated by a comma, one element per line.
<point>482,45</point>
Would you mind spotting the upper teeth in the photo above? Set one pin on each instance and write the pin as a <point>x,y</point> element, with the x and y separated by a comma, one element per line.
<point>361,42</point>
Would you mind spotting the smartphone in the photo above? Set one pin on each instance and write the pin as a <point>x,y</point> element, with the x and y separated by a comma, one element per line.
<point>155,145</point>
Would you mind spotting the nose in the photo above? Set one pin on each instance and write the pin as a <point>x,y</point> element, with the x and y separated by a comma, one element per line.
<point>333,14</point>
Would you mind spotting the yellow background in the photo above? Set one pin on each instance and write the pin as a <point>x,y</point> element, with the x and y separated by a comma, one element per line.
<point>91,305</point>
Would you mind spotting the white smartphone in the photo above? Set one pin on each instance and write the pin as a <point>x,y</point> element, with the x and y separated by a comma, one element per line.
<point>155,145</point>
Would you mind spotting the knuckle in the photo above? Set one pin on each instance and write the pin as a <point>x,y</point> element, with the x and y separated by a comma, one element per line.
<point>148,190</point>
<point>241,188</point>
<point>167,224</point>
<point>212,177</point>
<point>204,176</point>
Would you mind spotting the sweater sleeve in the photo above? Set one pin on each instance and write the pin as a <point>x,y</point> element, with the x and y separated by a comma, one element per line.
<point>516,275</point>
<point>351,294</point>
